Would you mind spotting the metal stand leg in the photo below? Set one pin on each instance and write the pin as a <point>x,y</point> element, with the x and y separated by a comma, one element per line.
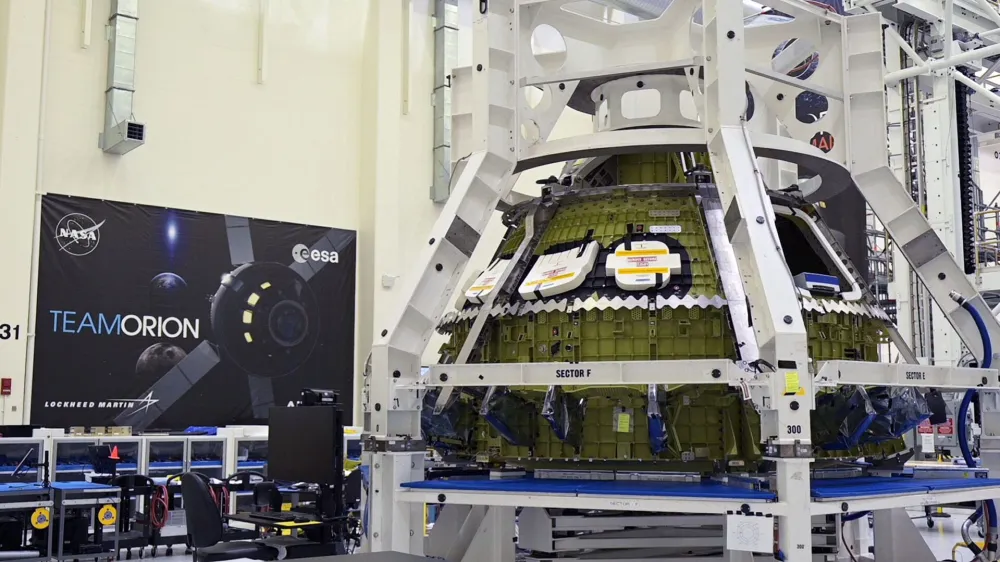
<point>494,539</point>
<point>62,526</point>
<point>472,534</point>
<point>395,526</point>
<point>898,540</point>
<point>448,525</point>
<point>467,532</point>
<point>849,537</point>
<point>795,530</point>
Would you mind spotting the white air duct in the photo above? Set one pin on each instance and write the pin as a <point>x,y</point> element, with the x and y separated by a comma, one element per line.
<point>121,134</point>
<point>445,59</point>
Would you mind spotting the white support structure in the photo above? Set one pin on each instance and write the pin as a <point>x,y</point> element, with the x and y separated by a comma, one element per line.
<point>944,208</point>
<point>913,235</point>
<point>776,313</point>
<point>701,371</point>
<point>484,118</point>
<point>897,114</point>
<point>498,135</point>
<point>939,165</point>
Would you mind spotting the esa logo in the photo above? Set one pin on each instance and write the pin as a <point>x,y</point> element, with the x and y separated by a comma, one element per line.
<point>302,254</point>
<point>572,373</point>
<point>915,376</point>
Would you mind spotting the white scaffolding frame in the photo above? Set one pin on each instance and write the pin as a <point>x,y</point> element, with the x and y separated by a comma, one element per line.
<point>502,135</point>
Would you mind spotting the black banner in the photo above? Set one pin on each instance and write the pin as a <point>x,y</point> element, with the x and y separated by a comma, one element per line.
<point>160,318</point>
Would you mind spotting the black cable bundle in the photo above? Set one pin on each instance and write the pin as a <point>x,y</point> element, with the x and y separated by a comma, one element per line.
<point>967,186</point>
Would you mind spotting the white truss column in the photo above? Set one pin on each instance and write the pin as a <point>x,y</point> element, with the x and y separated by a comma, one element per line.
<point>899,287</point>
<point>944,207</point>
<point>483,130</point>
<point>775,309</point>
<point>749,216</point>
<point>913,236</point>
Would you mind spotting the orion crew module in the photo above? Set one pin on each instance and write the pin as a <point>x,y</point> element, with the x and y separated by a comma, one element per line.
<point>672,354</point>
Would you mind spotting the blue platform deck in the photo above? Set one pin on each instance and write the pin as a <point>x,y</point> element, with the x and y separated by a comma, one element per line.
<point>847,488</point>
<point>704,490</point>
<point>71,486</point>
<point>822,490</point>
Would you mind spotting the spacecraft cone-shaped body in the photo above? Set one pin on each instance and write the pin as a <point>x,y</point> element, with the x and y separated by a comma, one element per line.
<point>628,258</point>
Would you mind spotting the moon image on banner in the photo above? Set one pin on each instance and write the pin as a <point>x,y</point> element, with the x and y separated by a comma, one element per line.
<point>157,359</point>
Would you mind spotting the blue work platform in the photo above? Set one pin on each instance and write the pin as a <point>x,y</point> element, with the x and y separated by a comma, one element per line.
<point>822,490</point>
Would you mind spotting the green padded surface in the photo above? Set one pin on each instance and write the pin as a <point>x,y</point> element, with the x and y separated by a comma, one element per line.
<point>608,220</point>
<point>709,427</point>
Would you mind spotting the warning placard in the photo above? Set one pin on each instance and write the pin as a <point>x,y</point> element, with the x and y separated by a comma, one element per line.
<point>947,428</point>
<point>645,265</point>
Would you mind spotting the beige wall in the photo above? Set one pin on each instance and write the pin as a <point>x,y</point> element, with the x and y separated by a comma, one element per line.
<point>338,133</point>
<point>296,147</point>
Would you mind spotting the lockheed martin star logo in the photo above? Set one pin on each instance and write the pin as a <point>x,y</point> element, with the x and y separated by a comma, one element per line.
<point>139,404</point>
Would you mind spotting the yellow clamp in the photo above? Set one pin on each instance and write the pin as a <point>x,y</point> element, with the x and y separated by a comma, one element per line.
<point>40,518</point>
<point>108,515</point>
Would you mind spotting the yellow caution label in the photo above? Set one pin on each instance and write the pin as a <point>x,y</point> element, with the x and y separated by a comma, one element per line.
<point>108,515</point>
<point>641,270</point>
<point>549,279</point>
<point>40,518</point>
<point>653,252</point>
<point>792,386</point>
<point>287,506</point>
<point>624,423</point>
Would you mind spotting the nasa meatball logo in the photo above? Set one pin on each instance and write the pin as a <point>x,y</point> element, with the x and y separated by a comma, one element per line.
<point>302,254</point>
<point>823,141</point>
<point>78,234</point>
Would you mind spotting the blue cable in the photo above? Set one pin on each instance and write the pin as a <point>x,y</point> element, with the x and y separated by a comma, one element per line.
<point>983,334</point>
<point>963,443</point>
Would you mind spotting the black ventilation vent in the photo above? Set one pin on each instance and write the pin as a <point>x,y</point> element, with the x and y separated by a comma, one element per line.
<point>136,131</point>
<point>967,187</point>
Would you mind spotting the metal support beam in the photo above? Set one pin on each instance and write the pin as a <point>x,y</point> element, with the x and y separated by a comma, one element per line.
<point>902,44</point>
<point>978,87</point>
<point>987,8</point>
<point>948,35</point>
<point>394,451</point>
<point>989,71</point>
<point>941,63</point>
<point>914,237</point>
<point>749,218</point>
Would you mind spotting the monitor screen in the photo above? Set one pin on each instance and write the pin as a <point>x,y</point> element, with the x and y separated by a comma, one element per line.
<point>304,444</point>
<point>354,449</point>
